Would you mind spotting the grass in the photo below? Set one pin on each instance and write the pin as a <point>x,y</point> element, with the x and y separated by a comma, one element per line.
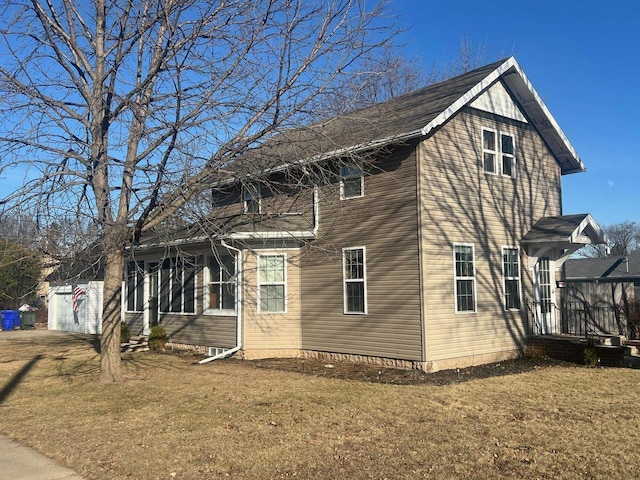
<point>229,419</point>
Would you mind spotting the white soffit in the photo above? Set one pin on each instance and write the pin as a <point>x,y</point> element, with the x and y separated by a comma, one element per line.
<point>498,101</point>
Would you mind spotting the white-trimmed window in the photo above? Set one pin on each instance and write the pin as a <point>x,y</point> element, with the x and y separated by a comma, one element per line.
<point>220,294</point>
<point>354,280</point>
<point>178,285</point>
<point>351,181</point>
<point>498,153</point>
<point>511,272</point>
<point>465,280</point>
<point>251,198</point>
<point>135,286</point>
<point>272,283</point>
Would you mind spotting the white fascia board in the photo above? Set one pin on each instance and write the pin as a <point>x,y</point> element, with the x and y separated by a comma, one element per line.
<point>302,235</point>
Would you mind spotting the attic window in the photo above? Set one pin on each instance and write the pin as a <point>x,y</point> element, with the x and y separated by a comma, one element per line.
<point>351,183</point>
<point>498,153</point>
<point>251,198</point>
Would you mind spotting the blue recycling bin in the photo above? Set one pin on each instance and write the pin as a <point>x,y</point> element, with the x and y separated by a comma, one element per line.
<point>10,319</point>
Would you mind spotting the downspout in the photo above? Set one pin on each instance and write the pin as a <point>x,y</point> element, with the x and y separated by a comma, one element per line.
<point>238,346</point>
<point>316,211</point>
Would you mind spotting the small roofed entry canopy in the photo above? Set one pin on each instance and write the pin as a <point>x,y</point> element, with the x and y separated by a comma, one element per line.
<point>559,237</point>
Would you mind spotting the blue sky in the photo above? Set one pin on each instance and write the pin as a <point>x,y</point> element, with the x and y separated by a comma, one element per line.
<point>583,58</point>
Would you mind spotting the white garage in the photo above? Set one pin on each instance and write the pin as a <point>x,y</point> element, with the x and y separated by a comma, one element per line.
<point>87,318</point>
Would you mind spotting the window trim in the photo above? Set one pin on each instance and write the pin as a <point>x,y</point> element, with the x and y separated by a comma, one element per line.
<point>251,193</point>
<point>362,280</point>
<point>261,284</point>
<point>233,279</point>
<point>498,154</point>
<point>352,176</point>
<point>473,280</point>
<point>505,278</point>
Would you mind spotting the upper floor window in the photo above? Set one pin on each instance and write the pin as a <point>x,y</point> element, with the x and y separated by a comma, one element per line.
<point>177,285</point>
<point>135,286</point>
<point>221,284</point>
<point>351,182</point>
<point>498,153</point>
<point>271,283</point>
<point>354,280</point>
<point>511,272</point>
<point>464,272</point>
<point>251,198</point>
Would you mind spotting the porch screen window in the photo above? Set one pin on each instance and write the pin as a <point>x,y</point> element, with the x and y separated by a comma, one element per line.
<point>511,271</point>
<point>352,181</point>
<point>221,288</point>
<point>135,286</point>
<point>177,285</point>
<point>498,153</point>
<point>251,198</point>
<point>354,279</point>
<point>464,278</point>
<point>271,283</point>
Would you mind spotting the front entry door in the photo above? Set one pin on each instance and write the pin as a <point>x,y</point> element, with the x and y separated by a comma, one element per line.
<point>546,303</point>
<point>153,304</point>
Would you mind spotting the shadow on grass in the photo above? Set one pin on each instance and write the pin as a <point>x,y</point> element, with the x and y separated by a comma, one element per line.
<point>17,378</point>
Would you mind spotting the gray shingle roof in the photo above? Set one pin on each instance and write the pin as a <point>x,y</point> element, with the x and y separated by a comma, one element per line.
<point>603,269</point>
<point>410,116</point>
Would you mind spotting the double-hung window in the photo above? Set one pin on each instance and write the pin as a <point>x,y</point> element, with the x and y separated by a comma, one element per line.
<point>464,271</point>
<point>351,181</point>
<point>511,271</point>
<point>498,153</point>
<point>177,285</point>
<point>354,280</point>
<point>221,284</point>
<point>135,286</point>
<point>272,286</point>
<point>251,198</point>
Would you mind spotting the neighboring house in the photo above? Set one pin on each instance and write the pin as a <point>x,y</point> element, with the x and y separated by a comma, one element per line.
<point>426,255</point>
<point>598,288</point>
<point>80,312</point>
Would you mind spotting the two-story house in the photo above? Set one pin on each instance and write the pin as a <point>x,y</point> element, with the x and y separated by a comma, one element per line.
<point>415,233</point>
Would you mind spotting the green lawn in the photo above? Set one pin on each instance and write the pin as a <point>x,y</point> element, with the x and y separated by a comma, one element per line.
<point>228,419</point>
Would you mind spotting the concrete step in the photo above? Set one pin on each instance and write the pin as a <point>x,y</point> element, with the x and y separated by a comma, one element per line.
<point>632,361</point>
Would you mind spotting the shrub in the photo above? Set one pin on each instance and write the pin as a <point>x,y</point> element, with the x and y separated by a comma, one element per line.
<point>590,355</point>
<point>125,333</point>
<point>157,338</point>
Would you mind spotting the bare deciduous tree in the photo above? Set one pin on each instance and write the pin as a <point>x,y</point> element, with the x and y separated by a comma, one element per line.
<point>624,238</point>
<point>119,113</point>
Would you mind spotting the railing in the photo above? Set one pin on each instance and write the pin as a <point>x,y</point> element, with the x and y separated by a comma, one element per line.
<point>542,317</point>
<point>583,319</point>
<point>576,318</point>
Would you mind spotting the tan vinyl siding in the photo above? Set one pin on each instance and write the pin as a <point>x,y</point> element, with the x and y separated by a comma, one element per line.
<point>271,332</point>
<point>460,203</point>
<point>384,222</point>
<point>135,320</point>
<point>205,330</point>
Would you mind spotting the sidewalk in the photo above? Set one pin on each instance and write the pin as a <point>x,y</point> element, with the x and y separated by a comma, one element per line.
<point>23,463</point>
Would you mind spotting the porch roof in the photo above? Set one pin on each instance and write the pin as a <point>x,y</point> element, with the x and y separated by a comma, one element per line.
<point>559,237</point>
<point>571,229</point>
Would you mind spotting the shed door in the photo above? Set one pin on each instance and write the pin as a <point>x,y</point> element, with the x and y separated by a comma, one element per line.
<point>65,318</point>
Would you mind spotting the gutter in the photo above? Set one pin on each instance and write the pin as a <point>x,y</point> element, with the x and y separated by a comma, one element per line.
<point>238,346</point>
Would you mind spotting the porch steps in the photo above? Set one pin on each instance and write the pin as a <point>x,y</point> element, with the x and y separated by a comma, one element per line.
<point>138,343</point>
<point>630,350</point>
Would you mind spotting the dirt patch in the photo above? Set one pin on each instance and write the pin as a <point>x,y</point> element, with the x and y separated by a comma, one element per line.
<point>396,376</point>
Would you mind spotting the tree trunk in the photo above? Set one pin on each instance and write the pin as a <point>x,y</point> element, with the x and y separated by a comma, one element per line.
<point>110,368</point>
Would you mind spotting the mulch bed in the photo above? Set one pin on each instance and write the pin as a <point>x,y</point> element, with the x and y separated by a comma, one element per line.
<point>376,374</point>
